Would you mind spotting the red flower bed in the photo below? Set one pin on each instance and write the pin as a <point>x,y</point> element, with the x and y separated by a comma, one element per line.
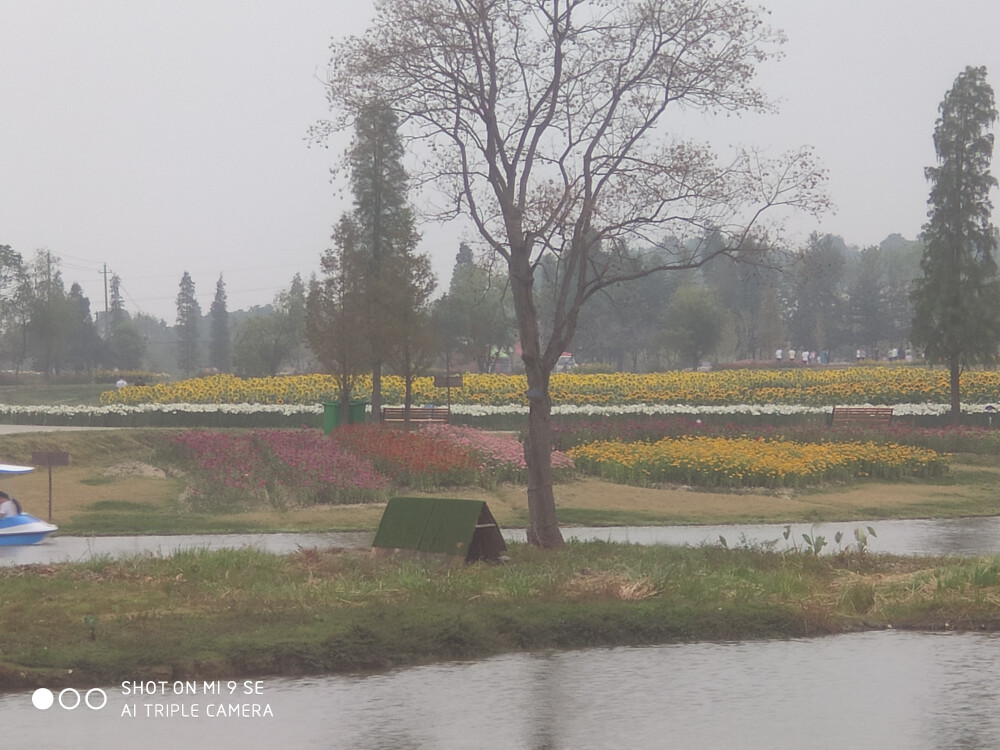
<point>277,466</point>
<point>412,459</point>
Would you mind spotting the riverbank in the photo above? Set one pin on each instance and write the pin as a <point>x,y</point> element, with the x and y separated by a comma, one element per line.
<point>236,613</point>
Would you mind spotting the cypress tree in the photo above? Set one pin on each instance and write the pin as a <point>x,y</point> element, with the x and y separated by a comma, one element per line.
<point>188,320</point>
<point>957,301</point>
<point>218,355</point>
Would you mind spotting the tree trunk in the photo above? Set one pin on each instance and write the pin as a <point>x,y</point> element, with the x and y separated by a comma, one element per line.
<point>377,387</point>
<point>543,530</point>
<point>956,393</point>
<point>345,389</point>
<point>407,388</point>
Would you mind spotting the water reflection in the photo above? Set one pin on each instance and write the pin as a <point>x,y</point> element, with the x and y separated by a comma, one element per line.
<point>885,689</point>
<point>79,549</point>
<point>925,537</point>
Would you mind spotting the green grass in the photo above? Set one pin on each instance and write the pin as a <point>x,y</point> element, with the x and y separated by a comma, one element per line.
<point>247,612</point>
<point>606,517</point>
<point>114,517</point>
<point>99,448</point>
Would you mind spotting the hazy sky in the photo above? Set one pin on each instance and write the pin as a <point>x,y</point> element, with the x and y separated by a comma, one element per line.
<point>152,137</point>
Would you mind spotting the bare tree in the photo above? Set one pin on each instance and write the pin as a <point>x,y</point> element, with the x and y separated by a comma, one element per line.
<point>539,120</point>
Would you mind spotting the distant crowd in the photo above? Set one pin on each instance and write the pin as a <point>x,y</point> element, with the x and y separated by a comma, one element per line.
<point>805,356</point>
<point>808,358</point>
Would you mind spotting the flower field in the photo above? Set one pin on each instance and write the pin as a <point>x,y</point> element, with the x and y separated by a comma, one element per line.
<point>233,471</point>
<point>358,463</point>
<point>803,387</point>
<point>749,462</point>
<point>501,455</point>
<point>355,464</point>
<point>648,428</point>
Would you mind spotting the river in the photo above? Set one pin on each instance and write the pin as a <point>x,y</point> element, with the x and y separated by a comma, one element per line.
<point>870,690</point>
<point>926,537</point>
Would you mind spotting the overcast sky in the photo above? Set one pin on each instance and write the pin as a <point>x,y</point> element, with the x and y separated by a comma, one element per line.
<point>153,137</point>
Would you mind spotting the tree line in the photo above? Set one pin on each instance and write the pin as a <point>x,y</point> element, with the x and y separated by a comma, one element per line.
<point>825,296</point>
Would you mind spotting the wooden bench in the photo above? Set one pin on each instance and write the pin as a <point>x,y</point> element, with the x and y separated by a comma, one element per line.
<point>861,415</point>
<point>396,415</point>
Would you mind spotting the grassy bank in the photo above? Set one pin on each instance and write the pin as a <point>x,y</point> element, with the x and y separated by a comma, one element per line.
<point>229,613</point>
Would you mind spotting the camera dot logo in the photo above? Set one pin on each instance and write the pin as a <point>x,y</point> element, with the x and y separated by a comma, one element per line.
<point>42,698</point>
<point>95,698</point>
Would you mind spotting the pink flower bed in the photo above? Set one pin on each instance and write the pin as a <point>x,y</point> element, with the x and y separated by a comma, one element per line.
<point>498,451</point>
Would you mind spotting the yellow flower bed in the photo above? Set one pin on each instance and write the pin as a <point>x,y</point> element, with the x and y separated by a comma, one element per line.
<point>747,462</point>
<point>799,386</point>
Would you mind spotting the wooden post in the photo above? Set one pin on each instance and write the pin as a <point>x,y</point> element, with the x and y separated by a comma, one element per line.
<point>50,459</point>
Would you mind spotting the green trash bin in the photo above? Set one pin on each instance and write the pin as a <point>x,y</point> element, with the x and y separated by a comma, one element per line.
<point>356,412</point>
<point>331,416</point>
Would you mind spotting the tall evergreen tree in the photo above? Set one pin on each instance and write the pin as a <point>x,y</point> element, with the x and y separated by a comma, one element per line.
<point>386,231</point>
<point>126,346</point>
<point>188,320</point>
<point>85,346</point>
<point>117,314</point>
<point>290,305</point>
<point>373,275</point>
<point>52,317</point>
<point>218,348</point>
<point>957,301</point>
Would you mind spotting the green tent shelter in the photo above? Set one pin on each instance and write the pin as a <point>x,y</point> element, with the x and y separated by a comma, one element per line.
<point>441,526</point>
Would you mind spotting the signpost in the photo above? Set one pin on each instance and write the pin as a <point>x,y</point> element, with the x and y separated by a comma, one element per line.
<point>50,459</point>
<point>449,382</point>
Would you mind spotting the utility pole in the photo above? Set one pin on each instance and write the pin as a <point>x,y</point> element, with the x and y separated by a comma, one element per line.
<point>106,319</point>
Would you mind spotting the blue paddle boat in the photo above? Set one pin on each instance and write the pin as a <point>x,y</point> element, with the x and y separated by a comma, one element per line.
<point>23,528</point>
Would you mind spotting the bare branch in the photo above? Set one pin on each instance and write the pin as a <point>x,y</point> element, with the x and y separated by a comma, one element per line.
<point>544,123</point>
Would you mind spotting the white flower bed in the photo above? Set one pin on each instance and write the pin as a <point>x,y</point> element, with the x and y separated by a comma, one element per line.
<point>110,414</point>
<point>743,409</point>
<point>127,410</point>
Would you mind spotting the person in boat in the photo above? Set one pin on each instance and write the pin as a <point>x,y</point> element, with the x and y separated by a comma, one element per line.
<point>9,506</point>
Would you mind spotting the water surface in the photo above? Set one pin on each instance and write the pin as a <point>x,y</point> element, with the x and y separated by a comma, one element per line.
<point>928,537</point>
<point>870,690</point>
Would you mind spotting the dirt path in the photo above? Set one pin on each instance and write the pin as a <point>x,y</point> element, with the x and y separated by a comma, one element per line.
<point>685,505</point>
